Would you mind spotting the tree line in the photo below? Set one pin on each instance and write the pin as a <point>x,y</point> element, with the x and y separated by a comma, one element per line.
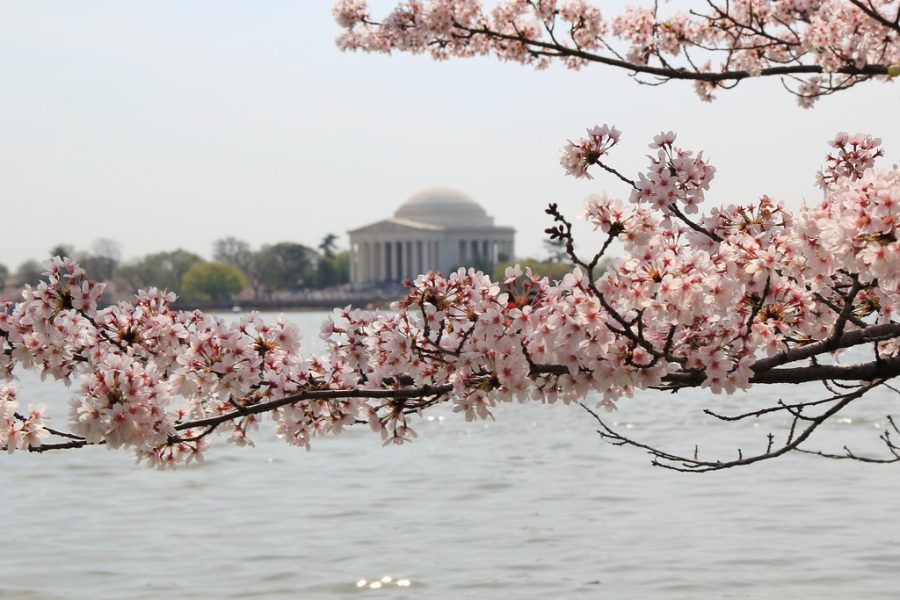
<point>235,268</point>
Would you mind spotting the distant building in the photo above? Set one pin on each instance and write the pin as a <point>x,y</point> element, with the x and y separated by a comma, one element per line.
<point>435,230</point>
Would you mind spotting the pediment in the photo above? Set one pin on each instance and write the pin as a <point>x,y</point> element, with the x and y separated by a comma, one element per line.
<point>395,226</point>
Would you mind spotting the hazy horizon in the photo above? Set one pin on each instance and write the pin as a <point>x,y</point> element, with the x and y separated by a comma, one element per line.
<point>171,125</point>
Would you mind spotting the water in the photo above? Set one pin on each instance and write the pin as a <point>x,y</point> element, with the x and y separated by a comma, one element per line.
<point>533,505</point>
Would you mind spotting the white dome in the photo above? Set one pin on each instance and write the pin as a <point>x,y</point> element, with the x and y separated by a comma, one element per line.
<point>442,206</point>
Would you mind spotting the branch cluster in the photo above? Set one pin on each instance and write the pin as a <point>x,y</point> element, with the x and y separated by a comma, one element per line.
<point>817,48</point>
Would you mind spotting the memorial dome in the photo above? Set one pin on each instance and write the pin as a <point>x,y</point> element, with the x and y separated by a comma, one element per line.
<point>445,207</point>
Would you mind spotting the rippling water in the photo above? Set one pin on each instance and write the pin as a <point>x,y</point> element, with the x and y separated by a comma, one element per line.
<point>533,505</point>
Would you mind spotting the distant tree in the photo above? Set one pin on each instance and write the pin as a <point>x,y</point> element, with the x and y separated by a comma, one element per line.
<point>215,281</point>
<point>555,249</point>
<point>163,270</point>
<point>237,252</point>
<point>29,272</point>
<point>103,258</point>
<point>333,270</point>
<point>4,275</point>
<point>325,274</point>
<point>341,263</point>
<point>328,246</point>
<point>286,266</point>
<point>62,250</point>
<point>233,251</point>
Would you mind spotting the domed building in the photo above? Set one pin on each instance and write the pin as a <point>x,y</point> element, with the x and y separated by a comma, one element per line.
<point>435,230</point>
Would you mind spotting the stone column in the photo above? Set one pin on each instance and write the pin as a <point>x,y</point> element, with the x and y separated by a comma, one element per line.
<point>420,256</point>
<point>354,258</point>
<point>395,261</point>
<point>363,262</point>
<point>408,266</point>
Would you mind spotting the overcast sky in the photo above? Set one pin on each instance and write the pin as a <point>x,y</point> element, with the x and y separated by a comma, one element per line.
<point>170,124</point>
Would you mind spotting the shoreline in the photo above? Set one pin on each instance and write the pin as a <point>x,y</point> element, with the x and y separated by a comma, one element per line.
<point>305,307</point>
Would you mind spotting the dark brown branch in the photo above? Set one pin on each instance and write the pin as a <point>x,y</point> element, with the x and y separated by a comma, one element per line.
<point>834,307</point>
<point>856,337</point>
<point>758,306</point>
<point>696,227</point>
<point>74,444</point>
<point>782,406</point>
<point>50,430</point>
<point>609,169</point>
<point>671,73</point>
<point>264,407</point>
<point>692,464</point>
<point>873,14</point>
<point>850,455</point>
<point>884,369</point>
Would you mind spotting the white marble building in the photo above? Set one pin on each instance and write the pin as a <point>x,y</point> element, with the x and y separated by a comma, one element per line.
<point>437,229</point>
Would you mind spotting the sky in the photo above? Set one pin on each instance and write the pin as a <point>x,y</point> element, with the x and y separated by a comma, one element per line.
<point>170,124</point>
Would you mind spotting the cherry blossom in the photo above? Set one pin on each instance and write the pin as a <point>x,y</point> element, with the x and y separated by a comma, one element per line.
<point>817,48</point>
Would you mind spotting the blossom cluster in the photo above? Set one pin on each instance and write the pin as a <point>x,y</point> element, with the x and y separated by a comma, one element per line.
<point>676,178</point>
<point>578,156</point>
<point>853,156</point>
<point>733,39</point>
<point>18,431</point>
<point>687,303</point>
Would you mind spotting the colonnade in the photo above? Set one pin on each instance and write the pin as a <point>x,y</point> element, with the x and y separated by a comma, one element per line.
<point>392,260</point>
<point>395,260</point>
<point>491,250</point>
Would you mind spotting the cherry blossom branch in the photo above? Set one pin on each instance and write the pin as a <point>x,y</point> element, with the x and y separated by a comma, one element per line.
<point>810,44</point>
<point>556,50</point>
<point>265,407</point>
<point>780,407</point>
<point>892,448</point>
<point>683,218</point>
<point>873,13</point>
<point>438,394</point>
<point>631,183</point>
<point>857,337</point>
<point>693,464</point>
